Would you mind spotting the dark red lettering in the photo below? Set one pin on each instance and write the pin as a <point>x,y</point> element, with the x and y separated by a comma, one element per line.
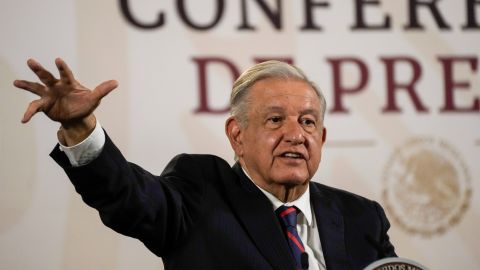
<point>339,89</point>
<point>202,63</point>
<point>451,84</point>
<point>393,85</point>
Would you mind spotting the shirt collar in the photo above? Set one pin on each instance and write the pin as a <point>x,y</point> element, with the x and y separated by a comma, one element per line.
<point>302,203</point>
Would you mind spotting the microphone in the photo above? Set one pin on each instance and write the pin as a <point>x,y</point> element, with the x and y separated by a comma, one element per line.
<point>304,260</point>
<point>390,263</point>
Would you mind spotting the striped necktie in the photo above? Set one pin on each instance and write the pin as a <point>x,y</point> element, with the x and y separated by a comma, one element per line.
<point>288,218</point>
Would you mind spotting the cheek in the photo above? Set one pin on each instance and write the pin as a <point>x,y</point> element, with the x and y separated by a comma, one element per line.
<point>264,143</point>
<point>269,142</point>
<point>259,147</point>
<point>314,163</point>
<point>315,150</point>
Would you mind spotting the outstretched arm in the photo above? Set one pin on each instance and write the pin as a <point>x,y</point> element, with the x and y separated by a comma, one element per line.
<point>64,100</point>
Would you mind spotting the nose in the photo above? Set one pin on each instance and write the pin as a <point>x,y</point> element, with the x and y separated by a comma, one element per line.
<point>294,133</point>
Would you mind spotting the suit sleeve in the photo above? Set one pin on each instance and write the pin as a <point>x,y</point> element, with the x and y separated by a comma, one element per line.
<point>383,244</point>
<point>158,210</point>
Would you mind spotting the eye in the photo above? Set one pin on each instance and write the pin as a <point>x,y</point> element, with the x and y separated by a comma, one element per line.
<point>307,122</point>
<point>275,119</point>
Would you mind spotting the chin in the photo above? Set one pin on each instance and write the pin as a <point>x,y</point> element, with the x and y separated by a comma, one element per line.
<point>293,180</point>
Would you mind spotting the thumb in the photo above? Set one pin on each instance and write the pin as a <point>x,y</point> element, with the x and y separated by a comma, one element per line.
<point>104,89</point>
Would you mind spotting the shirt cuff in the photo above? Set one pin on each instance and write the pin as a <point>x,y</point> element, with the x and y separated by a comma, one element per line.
<point>88,149</point>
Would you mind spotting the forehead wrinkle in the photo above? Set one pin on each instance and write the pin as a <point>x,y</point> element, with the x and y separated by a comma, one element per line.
<point>281,109</point>
<point>272,108</point>
<point>272,96</point>
<point>308,97</point>
<point>276,94</point>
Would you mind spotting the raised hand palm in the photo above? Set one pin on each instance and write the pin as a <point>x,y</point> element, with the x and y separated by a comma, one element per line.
<point>63,100</point>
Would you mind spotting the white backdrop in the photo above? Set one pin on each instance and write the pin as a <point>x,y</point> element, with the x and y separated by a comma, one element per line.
<point>419,160</point>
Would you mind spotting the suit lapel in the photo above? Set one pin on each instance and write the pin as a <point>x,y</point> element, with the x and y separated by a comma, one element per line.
<point>330,227</point>
<point>255,212</point>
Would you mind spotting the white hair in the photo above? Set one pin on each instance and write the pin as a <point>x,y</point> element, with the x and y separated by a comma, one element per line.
<point>269,69</point>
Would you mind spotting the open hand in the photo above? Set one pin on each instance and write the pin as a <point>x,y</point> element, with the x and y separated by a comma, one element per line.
<point>63,100</point>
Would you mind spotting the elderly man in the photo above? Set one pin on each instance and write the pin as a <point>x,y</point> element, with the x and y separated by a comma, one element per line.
<point>200,213</point>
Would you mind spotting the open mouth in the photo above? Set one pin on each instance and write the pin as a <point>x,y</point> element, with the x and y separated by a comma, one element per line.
<point>292,155</point>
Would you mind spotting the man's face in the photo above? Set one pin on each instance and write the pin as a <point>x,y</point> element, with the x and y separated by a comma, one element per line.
<point>282,142</point>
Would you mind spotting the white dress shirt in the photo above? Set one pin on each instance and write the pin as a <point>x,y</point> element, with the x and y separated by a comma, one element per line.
<point>92,146</point>
<point>306,226</point>
<point>87,150</point>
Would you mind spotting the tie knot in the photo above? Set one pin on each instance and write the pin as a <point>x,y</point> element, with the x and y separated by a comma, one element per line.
<point>288,215</point>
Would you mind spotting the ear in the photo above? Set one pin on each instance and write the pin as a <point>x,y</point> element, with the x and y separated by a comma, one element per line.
<point>324,135</point>
<point>233,131</point>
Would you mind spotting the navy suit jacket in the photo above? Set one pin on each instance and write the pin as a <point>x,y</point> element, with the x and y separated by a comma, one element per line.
<point>200,213</point>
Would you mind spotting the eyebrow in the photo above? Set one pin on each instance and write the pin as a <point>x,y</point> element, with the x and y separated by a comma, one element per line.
<point>280,109</point>
<point>311,111</point>
<point>273,109</point>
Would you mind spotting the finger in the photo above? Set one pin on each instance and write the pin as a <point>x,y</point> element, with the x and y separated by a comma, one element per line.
<point>34,107</point>
<point>46,77</point>
<point>66,74</point>
<point>32,87</point>
<point>104,88</point>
